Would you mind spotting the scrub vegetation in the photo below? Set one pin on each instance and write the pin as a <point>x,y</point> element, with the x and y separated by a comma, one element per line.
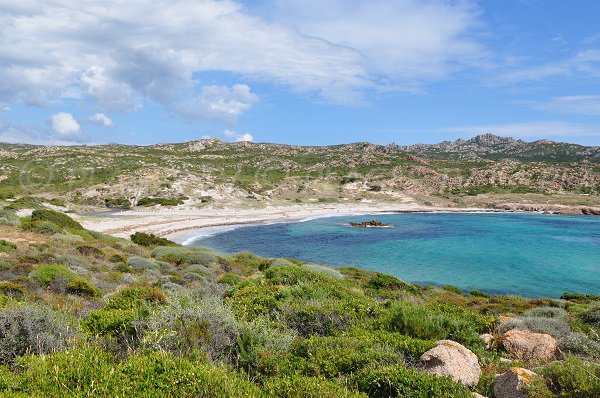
<point>87,315</point>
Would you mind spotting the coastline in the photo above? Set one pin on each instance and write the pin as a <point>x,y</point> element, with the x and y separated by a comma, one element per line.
<point>182,225</point>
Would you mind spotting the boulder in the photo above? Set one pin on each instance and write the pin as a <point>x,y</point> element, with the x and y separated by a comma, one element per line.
<point>476,395</point>
<point>449,358</point>
<point>487,340</point>
<point>510,384</point>
<point>526,345</point>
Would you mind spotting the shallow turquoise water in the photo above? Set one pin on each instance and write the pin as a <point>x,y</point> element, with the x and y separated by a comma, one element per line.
<point>526,254</point>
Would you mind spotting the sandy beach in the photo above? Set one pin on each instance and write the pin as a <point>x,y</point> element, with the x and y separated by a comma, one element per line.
<point>182,225</point>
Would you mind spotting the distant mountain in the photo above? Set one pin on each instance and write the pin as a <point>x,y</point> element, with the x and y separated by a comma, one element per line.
<point>493,147</point>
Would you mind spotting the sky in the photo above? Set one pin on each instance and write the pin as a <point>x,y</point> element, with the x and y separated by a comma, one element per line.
<point>307,72</point>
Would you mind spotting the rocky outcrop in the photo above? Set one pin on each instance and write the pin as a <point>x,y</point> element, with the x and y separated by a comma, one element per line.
<point>511,383</point>
<point>450,358</point>
<point>526,345</point>
<point>369,224</point>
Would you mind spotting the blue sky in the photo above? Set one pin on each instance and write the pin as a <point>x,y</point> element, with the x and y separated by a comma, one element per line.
<point>298,71</point>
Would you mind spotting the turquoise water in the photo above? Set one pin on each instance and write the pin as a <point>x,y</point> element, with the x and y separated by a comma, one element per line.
<point>527,254</point>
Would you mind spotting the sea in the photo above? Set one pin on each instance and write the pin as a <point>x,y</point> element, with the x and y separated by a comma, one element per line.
<point>532,255</point>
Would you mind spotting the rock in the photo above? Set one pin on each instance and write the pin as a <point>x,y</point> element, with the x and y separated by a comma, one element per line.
<point>526,345</point>
<point>510,384</point>
<point>449,358</point>
<point>477,395</point>
<point>369,224</point>
<point>487,339</point>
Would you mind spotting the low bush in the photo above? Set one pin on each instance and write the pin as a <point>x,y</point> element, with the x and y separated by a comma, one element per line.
<point>568,379</point>
<point>140,263</point>
<point>117,203</point>
<point>60,219</point>
<point>98,374</point>
<point>48,274</point>
<point>479,293</point>
<point>579,344</point>
<point>383,281</point>
<point>32,330</point>
<point>184,255</point>
<point>82,287</point>
<point>90,251</point>
<point>230,279</point>
<point>6,247</point>
<point>453,289</point>
<point>9,217</point>
<point>397,381</point>
<point>11,289</point>
<point>324,270</point>
<point>144,239</point>
<point>546,312</point>
<point>591,316</point>
<point>435,322</point>
<point>294,386</point>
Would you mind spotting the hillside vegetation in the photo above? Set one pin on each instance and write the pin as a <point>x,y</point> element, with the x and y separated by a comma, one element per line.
<point>87,315</point>
<point>212,173</point>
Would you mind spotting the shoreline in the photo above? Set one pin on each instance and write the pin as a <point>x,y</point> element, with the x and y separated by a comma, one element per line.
<point>186,225</point>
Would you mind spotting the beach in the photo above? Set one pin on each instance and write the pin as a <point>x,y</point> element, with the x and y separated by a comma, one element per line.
<point>181,225</point>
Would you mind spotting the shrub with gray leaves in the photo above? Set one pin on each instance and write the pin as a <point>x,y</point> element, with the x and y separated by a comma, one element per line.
<point>32,330</point>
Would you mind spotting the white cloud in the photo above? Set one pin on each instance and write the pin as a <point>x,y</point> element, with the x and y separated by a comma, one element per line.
<point>238,137</point>
<point>119,53</point>
<point>245,138</point>
<point>585,63</point>
<point>220,103</point>
<point>577,104</point>
<point>101,119</point>
<point>18,133</point>
<point>65,127</point>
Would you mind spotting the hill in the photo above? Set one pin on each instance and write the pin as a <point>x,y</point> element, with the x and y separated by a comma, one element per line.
<point>481,171</point>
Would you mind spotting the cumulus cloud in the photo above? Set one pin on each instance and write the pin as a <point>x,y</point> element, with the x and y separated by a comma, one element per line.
<point>245,138</point>
<point>18,133</point>
<point>119,54</point>
<point>238,137</point>
<point>101,119</point>
<point>65,125</point>
<point>220,103</point>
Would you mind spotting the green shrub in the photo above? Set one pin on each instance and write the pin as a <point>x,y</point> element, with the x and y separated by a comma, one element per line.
<point>90,251</point>
<point>60,219</point>
<point>184,255</point>
<point>11,289</point>
<point>383,281</point>
<point>453,289</point>
<point>293,386</point>
<point>167,202</point>
<point>128,305</point>
<point>479,293</point>
<point>9,217</point>
<point>230,279</point>
<point>572,378</point>
<point>140,263</point>
<point>324,270</point>
<point>6,247</point>
<point>48,274</point>
<point>252,261</point>
<point>293,275</point>
<point>591,316</point>
<point>117,203</point>
<point>42,227</point>
<point>397,381</point>
<point>82,287</point>
<point>333,357</point>
<point>144,239</point>
<point>97,374</point>
<point>435,322</point>
<point>32,329</point>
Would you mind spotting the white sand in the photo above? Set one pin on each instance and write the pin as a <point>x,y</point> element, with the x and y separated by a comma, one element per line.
<point>182,225</point>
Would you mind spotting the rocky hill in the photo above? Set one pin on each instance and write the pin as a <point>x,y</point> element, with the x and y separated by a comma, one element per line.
<point>209,172</point>
<point>492,147</point>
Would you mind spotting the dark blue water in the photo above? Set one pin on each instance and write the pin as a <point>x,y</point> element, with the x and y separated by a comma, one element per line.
<point>526,254</point>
